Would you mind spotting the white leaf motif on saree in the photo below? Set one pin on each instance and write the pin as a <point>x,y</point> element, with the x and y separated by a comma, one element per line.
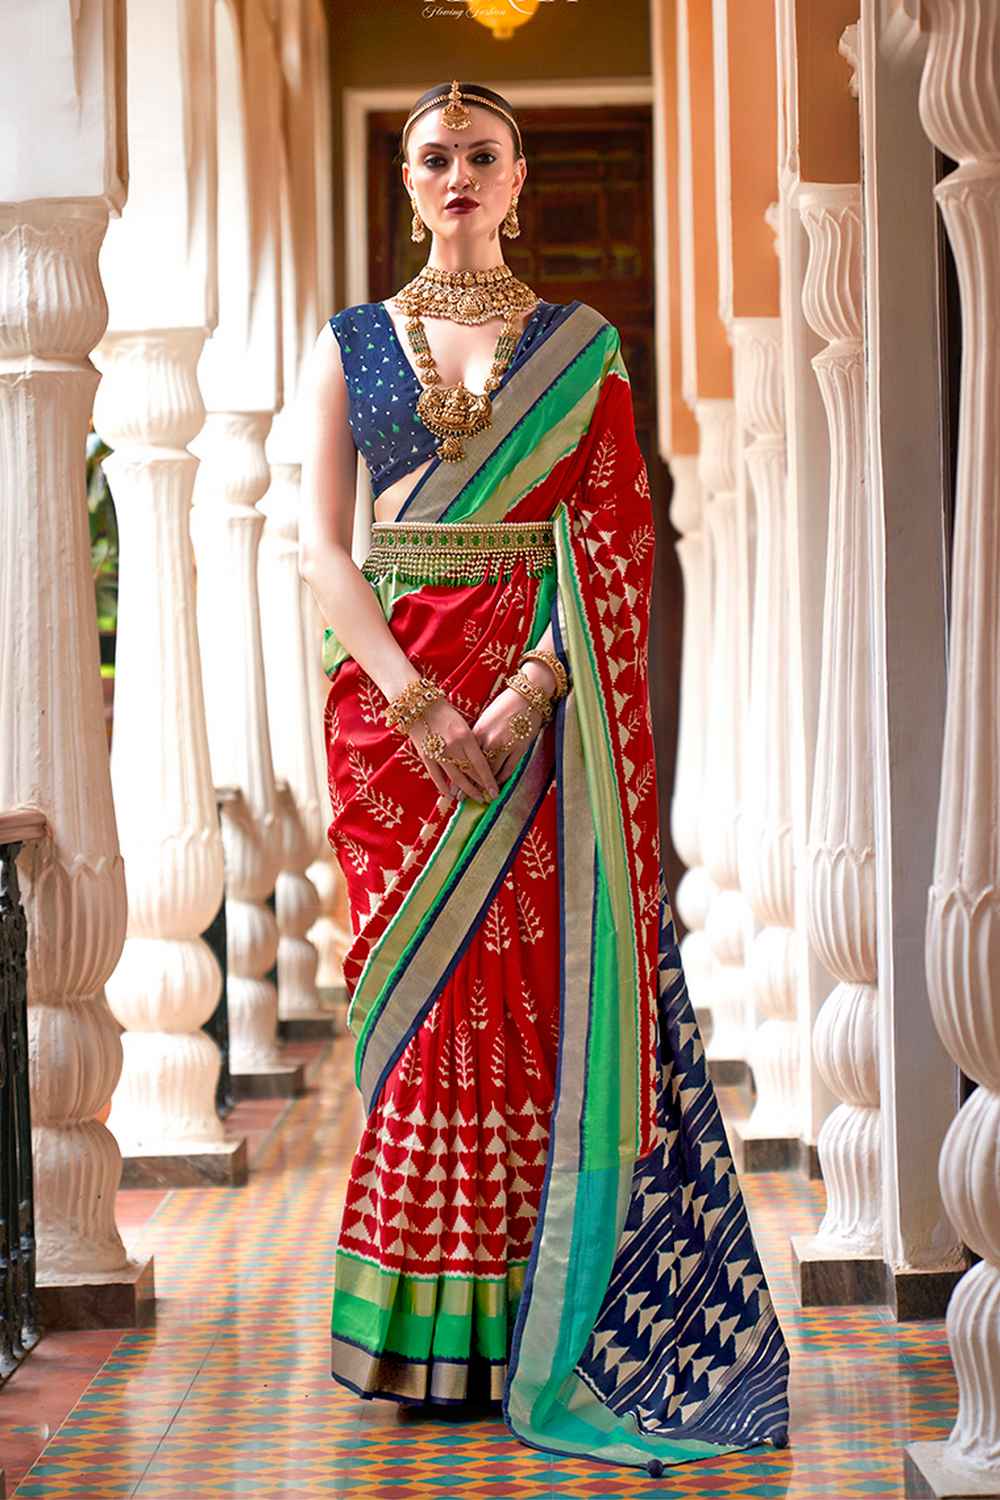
<point>464,1056</point>
<point>478,1007</point>
<point>529,923</point>
<point>356,853</point>
<point>496,929</point>
<point>497,656</point>
<point>536,856</point>
<point>383,808</point>
<point>603,467</point>
<point>641,542</point>
<point>371,700</point>
<point>498,1072</point>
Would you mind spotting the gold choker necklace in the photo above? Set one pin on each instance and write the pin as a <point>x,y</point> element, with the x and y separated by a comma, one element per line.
<point>452,412</point>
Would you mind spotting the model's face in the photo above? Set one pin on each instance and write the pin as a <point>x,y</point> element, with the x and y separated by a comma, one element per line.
<point>442,164</point>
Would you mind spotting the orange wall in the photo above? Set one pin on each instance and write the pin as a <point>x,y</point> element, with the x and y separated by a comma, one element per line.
<point>753,152</point>
<point>715,378</point>
<point>683,427</point>
<point>829,140</point>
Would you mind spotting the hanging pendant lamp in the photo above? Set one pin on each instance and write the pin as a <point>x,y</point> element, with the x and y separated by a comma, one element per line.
<point>502,17</point>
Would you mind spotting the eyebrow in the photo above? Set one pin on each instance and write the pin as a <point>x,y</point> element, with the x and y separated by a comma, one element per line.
<point>489,141</point>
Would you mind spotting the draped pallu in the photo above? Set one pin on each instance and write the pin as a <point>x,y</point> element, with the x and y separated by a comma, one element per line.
<point>542,1207</point>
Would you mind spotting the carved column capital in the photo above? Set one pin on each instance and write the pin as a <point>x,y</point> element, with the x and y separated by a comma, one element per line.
<point>832,293</point>
<point>717,457</point>
<point>760,390</point>
<point>959,98</point>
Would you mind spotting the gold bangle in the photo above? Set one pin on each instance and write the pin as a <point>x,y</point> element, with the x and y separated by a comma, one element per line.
<point>403,710</point>
<point>555,666</point>
<point>536,696</point>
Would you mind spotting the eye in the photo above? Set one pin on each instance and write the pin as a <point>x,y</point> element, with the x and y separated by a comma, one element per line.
<point>485,158</point>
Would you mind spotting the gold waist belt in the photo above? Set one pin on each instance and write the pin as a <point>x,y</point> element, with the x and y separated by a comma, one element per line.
<point>458,551</point>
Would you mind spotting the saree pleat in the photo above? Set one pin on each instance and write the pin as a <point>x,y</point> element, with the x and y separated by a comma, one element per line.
<point>542,1207</point>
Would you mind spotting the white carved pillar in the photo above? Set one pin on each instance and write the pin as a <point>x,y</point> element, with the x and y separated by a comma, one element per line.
<point>167,982</point>
<point>331,932</point>
<point>695,889</point>
<point>840,887</point>
<point>728,924</point>
<point>960,109</point>
<point>287,667</point>
<point>240,373</point>
<point>297,907</point>
<point>765,845</point>
<point>225,528</point>
<point>292,727</point>
<point>55,757</point>
<point>159,264</point>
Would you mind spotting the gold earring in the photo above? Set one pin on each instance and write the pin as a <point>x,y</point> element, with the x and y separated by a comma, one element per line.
<point>510,227</point>
<point>418,229</point>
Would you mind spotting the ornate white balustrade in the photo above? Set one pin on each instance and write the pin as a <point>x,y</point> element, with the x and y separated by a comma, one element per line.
<point>167,982</point>
<point>770,1135</point>
<point>226,527</point>
<point>960,109</point>
<point>843,1261</point>
<point>728,925</point>
<point>52,314</point>
<point>286,673</point>
<point>695,889</point>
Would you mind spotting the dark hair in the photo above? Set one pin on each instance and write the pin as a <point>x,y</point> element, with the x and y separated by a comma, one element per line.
<point>471,88</point>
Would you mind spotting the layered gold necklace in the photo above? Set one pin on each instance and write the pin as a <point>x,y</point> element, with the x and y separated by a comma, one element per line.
<point>452,412</point>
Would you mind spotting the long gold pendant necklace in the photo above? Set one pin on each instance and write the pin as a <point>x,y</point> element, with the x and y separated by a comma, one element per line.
<point>452,412</point>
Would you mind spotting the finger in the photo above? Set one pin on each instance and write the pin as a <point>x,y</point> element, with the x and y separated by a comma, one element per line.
<point>466,784</point>
<point>481,767</point>
<point>460,767</point>
<point>510,760</point>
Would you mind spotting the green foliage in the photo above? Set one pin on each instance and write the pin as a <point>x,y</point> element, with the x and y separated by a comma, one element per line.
<point>103,535</point>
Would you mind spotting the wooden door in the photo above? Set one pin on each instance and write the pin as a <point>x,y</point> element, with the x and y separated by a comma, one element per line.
<point>586,216</point>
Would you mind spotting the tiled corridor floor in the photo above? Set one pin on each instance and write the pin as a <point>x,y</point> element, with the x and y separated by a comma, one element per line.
<point>229,1394</point>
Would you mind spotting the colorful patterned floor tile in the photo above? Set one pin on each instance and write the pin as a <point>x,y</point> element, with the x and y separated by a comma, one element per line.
<point>229,1394</point>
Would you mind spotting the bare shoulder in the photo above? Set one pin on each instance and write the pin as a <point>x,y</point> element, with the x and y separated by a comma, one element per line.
<point>324,357</point>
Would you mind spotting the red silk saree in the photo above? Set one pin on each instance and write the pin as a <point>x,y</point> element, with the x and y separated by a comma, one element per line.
<point>542,1207</point>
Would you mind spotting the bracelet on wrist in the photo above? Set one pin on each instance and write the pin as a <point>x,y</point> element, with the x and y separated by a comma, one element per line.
<point>531,693</point>
<point>406,707</point>
<point>555,666</point>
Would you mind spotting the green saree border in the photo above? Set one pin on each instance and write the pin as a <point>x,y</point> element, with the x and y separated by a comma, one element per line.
<point>438,1316</point>
<point>605,807</point>
<point>586,1193</point>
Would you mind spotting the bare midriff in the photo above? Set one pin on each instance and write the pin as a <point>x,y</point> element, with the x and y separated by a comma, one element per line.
<point>450,343</point>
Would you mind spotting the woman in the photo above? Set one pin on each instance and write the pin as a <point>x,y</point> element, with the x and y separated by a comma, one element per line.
<point>542,1208</point>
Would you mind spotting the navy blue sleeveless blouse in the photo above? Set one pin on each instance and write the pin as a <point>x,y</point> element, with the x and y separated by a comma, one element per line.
<point>383,387</point>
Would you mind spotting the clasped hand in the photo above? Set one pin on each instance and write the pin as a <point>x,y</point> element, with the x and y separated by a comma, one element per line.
<point>476,760</point>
